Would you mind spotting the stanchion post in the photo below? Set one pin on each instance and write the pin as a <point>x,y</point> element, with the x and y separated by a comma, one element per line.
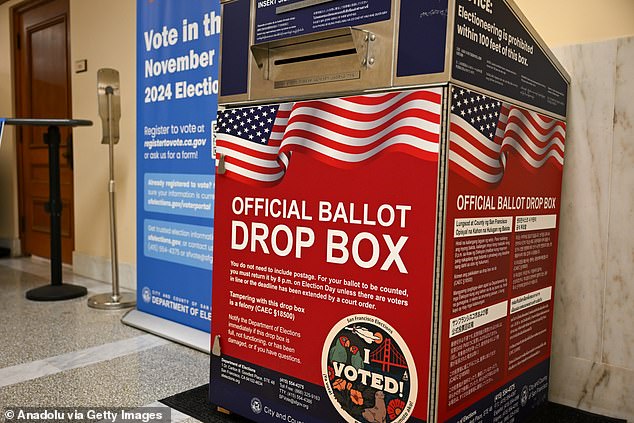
<point>56,290</point>
<point>54,206</point>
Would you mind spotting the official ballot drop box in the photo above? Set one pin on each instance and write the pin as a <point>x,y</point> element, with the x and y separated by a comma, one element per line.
<point>387,211</point>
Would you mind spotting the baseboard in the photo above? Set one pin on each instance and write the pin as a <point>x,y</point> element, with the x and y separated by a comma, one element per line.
<point>12,244</point>
<point>99,268</point>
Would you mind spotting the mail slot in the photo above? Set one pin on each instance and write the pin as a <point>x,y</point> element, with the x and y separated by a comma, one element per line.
<point>388,189</point>
<point>347,56</point>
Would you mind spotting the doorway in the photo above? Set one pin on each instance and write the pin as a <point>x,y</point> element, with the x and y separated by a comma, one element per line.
<point>41,40</point>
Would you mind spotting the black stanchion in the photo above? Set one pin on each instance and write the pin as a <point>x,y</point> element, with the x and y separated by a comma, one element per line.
<point>57,290</point>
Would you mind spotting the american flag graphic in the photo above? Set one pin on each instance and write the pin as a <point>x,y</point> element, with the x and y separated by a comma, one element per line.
<point>483,131</point>
<point>257,142</point>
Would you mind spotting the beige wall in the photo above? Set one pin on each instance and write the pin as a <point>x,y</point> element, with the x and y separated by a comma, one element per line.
<point>104,33</point>
<point>563,22</point>
<point>8,169</point>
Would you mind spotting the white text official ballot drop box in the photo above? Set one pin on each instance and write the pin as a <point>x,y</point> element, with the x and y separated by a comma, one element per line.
<point>387,211</point>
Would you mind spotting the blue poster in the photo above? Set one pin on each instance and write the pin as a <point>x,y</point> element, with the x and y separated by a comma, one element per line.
<point>177,87</point>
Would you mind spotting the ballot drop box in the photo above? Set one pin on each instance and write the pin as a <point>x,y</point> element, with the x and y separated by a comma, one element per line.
<point>387,211</point>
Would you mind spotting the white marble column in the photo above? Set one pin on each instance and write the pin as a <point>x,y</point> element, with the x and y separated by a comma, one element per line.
<point>592,364</point>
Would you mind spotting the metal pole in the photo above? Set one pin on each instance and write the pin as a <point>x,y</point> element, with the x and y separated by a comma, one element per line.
<point>111,190</point>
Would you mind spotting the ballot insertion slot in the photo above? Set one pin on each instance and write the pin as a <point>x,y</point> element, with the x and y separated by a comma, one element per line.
<point>329,56</point>
<point>318,56</point>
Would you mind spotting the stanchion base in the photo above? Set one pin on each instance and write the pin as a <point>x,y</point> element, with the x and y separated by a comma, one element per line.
<point>56,292</point>
<point>107,302</point>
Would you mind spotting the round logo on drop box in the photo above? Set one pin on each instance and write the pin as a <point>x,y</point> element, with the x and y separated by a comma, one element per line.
<point>146,295</point>
<point>256,405</point>
<point>368,371</point>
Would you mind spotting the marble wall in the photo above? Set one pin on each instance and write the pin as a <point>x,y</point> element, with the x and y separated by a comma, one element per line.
<point>592,364</point>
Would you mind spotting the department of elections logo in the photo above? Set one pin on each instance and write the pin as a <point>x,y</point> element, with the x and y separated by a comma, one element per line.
<point>147,295</point>
<point>256,405</point>
<point>368,371</point>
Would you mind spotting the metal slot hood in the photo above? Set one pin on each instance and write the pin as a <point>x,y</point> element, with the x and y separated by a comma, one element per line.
<point>336,60</point>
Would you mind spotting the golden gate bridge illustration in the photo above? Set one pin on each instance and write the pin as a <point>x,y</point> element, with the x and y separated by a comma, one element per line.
<point>387,356</point>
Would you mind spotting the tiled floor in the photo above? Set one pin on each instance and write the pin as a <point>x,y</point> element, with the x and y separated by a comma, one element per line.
<point>65,354</point>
